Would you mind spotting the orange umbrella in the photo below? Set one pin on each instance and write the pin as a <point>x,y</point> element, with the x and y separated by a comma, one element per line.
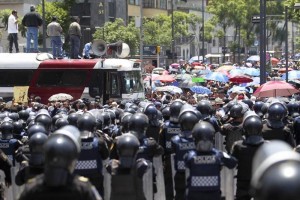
<point>275,89</point>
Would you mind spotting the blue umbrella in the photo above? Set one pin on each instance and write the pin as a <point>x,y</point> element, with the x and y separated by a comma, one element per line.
<point>236,71</point>
<point>256,81</point>
<point>292,75</point>
<point>200,90</point>
<point>217,76</point>
<point>252,72</point>
<point>253,58</point>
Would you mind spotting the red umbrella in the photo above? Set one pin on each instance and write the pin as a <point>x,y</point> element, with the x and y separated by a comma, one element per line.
<point>196,64</point>
<point>164,78</point>
<point>240,79</point>
<point>275,89</point>
<point>274,61</point>
<point>282,70</point>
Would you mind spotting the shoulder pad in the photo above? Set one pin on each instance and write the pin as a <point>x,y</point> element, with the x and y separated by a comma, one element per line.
<point>175,138</point>
<point>31,180</point>
<point>83,179</point>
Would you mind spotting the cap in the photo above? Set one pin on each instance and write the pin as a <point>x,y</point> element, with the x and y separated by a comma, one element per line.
<point>14,11</point>
<point>219,101</point>
<point>32,8</point>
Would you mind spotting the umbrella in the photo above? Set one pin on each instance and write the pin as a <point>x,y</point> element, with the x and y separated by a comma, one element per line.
<point>175,65</point>
<point>282,70</point>
<point>217,76</point>
<point>170,88</point>
<point>159,70</point>
<point>252,72</point>
<point>200,90</point>
<point>274,61</point>
<point>206,71</point>
<point>237,89</point>
<point>187,84</point>
<point>195,59</point>
<point>183,76</point>
<point>236,71</point>
<point>292,75</point>
<point>164,78</point>
<point>241,79</point>
<point>60,97</point>
<point>256,81</point>
<point>196,64</point>
<point>225,68</point>
<point>253,58</point>
<point>149,77</point>
<point>275,89</point>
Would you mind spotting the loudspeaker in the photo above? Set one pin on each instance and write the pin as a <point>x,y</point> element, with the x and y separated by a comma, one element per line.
<point>122,49</point>
<point>99,47</point>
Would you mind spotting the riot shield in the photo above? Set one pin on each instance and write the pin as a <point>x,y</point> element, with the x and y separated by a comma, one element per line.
<point>160,183</point>
<point>107,181</point>
<point>173,171</point>
<point>148,182</point>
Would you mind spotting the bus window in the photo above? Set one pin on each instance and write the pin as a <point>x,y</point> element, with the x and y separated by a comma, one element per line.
<point>14,77</point>
<point>131,82</point>
<point>65,78</point>
<point>115,85</point>
<point>96,84</point>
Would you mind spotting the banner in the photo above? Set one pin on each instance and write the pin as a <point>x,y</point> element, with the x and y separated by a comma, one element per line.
<point>21,94</point>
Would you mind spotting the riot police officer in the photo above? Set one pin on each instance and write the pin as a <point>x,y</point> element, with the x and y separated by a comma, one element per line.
<point>127,172</point>
<point>233,129</point>
<point>170,129</point>
<point>93,151</point>
<point>8,144</point>
<point>276,173</point>
<point>206,110</point>
<point>154,127</point>
<point>181,144</point>
<point>274,127</point>
<point>260,108</point>
<point>35,165</point>
<point>58,181</point>
<point>244,151</point>
<point>204,164</point>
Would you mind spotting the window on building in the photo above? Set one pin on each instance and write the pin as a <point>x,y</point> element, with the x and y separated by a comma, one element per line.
<point>132,2</point>
<point>214,42</point>
<point>148,3</point>
<point>112,11</point>
<point>163,4</point>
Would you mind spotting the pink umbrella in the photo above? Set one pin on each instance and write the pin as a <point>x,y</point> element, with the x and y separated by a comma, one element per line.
<point>175,65</point>
<point>275,89</point>
<point>164,78</point>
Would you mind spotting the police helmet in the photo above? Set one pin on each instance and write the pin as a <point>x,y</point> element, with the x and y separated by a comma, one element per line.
<point>152,114</point>
<point>252,124</point>
<point>166,112</point>
<point>134,106</point>
<point>276,172</point>
<point>72,118</point>
<point>29,119</point>
<point>35,129</point>
<point>258,108</point>
<point>14,116</point>
<point>23,114</point>
<point>229,105</point>
<point>56,117</point>
<point>36,143</point>
<point>61,122</point>
<point>112,116</point>
<point>236,111</point>
<point>6,129</point>
<point>203,133</point>
<point>138,124</point>
<point>18,127</point>
<point>44,119</point>
<point>248,102</point>
<point>175,108</point>
<point>276,112</point>
<point>205,108</point>
<point>127,147</point>
<point>105,118</point>
<point>86,122</point>
<point>187,120</point>
<point>125,122</point>
<point>61,154</point>
<point>130,110</point>
<point>293,108</point>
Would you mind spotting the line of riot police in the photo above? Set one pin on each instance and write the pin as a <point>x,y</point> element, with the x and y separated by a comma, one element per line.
<point>108,152</point>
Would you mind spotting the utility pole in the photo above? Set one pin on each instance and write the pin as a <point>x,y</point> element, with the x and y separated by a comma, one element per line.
<point>141,34</point>
<point>203,53</point>
<point>44,27</point>
<point>286,45</point>
<point>173,39</point>
<point>262,41</point>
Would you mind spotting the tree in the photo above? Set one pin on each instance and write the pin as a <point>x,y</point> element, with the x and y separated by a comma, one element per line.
<point>116,31</point>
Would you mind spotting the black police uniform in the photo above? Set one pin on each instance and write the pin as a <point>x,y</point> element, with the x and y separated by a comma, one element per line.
<point>5,166</point>
<point>77,188</point>
<point>280,133</point>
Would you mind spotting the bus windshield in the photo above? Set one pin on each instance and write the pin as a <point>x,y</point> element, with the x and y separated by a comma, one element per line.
<point>132,82</point>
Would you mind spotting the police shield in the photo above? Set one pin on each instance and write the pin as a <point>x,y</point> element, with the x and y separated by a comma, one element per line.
<point>160,183</point>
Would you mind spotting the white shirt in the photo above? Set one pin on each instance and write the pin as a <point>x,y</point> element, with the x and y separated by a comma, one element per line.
<point>12,25</point>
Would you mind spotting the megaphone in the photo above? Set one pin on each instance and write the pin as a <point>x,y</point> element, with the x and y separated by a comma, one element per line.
<point>122,49</point>
<point>99,47</point>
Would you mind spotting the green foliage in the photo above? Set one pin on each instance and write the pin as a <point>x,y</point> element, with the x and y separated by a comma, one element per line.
<point>4,15</point>
<point>116,31</point>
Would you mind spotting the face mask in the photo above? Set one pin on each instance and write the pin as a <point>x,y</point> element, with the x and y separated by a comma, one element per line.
<point>204,146</point>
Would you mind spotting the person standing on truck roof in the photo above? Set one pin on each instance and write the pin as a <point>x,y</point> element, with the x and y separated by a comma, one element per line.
<point>54,31</point>
<point>32,21</point>
<point>75,35</point>
<point>12,29</point>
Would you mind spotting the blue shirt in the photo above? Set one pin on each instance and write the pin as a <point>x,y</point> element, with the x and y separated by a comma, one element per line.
<point>87,48</point>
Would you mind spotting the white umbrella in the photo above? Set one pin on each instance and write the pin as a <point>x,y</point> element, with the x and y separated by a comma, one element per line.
<point>170,88</point>
<point>60,97</point>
